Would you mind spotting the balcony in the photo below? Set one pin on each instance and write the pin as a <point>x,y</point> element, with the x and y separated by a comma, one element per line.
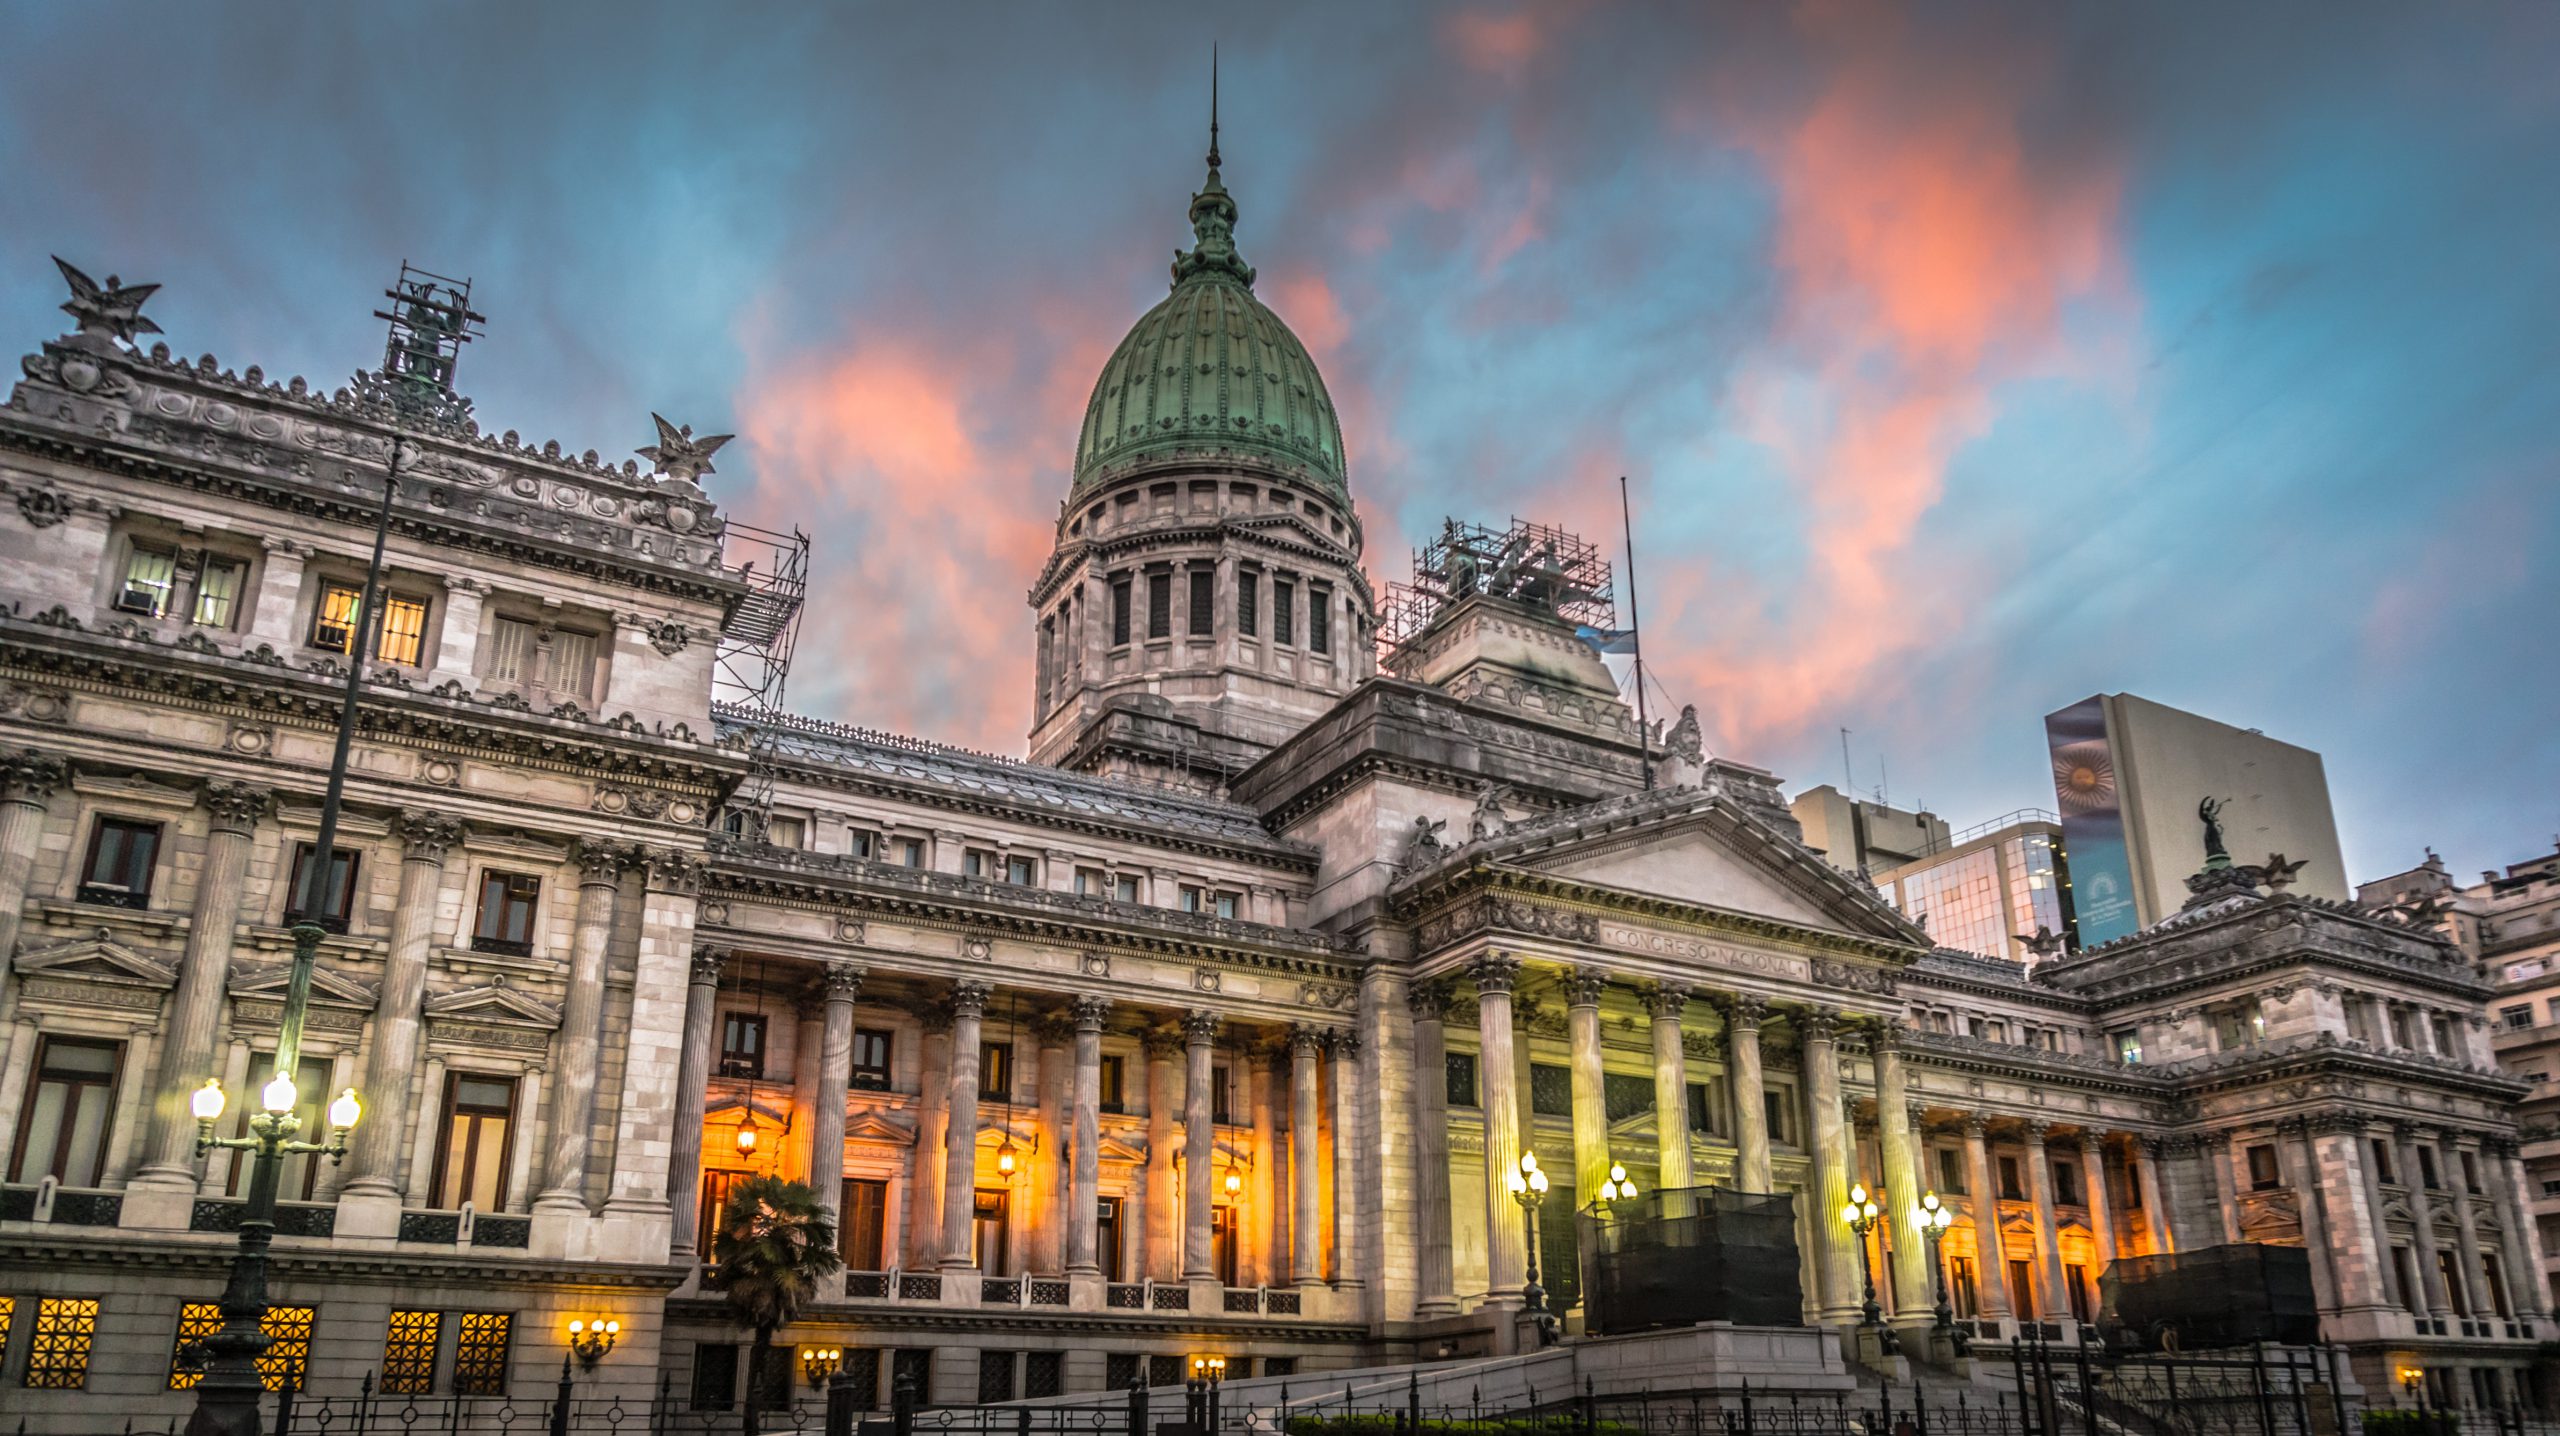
<point>1055,1293</point>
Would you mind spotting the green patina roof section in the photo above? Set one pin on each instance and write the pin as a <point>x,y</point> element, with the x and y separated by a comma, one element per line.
<point>1212,368</point>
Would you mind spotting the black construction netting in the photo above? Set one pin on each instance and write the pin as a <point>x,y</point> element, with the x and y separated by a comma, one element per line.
<point>2211,1297</point>
<point>1691,1254</point>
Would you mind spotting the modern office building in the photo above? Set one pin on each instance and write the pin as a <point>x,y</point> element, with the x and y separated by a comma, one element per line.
<point>1862,835</point>
<point>2128,775</point>
<point>1992,890</point>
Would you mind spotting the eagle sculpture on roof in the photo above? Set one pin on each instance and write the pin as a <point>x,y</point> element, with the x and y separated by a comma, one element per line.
<point>679,455</point>
<point>113,308</point>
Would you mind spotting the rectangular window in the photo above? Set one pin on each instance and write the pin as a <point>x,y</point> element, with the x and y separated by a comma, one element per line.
<point>2442,1027</point>
<point>717,1185</point>
<point>196,1321</point>
<point>1702,1110</point>
<point>1284,615</point>
<point>862,1372</point>
<point>1204,600</point>
<point>742,1045</point>
<point>218,586</point>
<point>1125,888</point>
<point>2517,1018</point>
<point>2470,1171</point>
<point>58,1354</point>
<point>1221,1087</point>
<point>2010,1189</point>
<point>150,575</point>
<point>1462,1079</point>
<point>1120,1370</point>
<point>911,852</point>
<point>1626,1094</point>
<point>117,872</point>
<point>2022,1288</point>
<point>404,632</point>
<point>480,1353</point>
<point>870,1060</point>
<point>507,903</point>
<point>1319,619</point>
<point>1164,1370</point>
<point>1119,610</point>
<point>2066,1184</point>
<point>2382,1161</point>
<point>1021,872</point>
<point>1089,882</point>
<point>2262,1169</point>
<point>1160,605</point>
<point>333,622</point>
<point>63,1131</point>
<point>2427,1168</point>
<point>1248,602</point>
<point>1961,1288</point>
<point>338,904</point>
<point>715,1376</point>
<point>862,1232</point>
<point>1550,1091</point>
<point>1190,898</point>
<point>1778,1110</point>
<point>510,652</point>
<point>1226,905</point>
<point>409,1353</point>
<point>1115,1077</point>
<point>995,1070</point>
<point>1043,1374</point>
<point>1950,1172</point>
<point>785,832</point>
<point>995,1376</point>
<point>2128,1044</point>
<point>471,1161</point>
<point>976,863</point>
<point>288,1355</point>
<point>573,658</point>
<point>913,1367</point>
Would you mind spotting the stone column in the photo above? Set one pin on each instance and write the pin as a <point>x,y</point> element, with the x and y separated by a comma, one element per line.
<point>1164,1093</point>
<point>2054,1300</point>
<point>2301,1170</point>
<point>573,1104</point>
<point>1670,1088</point>
<point>1345,1049</point>
<point>838,984</point>
<point>2093,1173</point>
<point>1199,1146</point>
<point>27,782</point>
<point>665,889</point>
<point>2421,1220</point>
<point>933,1125</point>
<point>960,1139</point>
<point>398,1014</point>
<point>1583,986</point>
<point>195,1010</point>
<point>2145,1156</point>
<point>1262,1228</point>
<point>1827,1141</point>
<point>1046,1251</point>
<point>1990,1258</point>
<point>1506,1230</point>
<point>1742,1019</point>
<point>1084,1187</point>
<point>2522,1246</point>
<point>279,591</point>
<point>1306,1223</point>
<point>2466,1230</point>
<point>1434,1257</point>
<point>1914,1296</point>
<point>693,1087</point>
<point>2337,1174</point>
<point>458,645</point>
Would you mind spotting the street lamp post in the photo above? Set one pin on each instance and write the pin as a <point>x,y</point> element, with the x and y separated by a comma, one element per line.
<point>1935,1218</point>
<point>430,320</point>
<point>1528,1187</point>
<point>1861,1216</point>
<point>1617,1188</point>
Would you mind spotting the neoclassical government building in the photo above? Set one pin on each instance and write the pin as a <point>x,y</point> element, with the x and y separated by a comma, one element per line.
<point>1196,1032</point>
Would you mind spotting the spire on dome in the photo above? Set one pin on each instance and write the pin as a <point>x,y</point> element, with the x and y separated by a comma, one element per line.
<point>1213,213</point>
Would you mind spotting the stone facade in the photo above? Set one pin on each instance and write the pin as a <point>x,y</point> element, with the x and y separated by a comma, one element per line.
<point>1099,1073</point>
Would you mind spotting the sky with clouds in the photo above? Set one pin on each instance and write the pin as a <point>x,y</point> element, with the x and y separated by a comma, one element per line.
<point>1965,360</point>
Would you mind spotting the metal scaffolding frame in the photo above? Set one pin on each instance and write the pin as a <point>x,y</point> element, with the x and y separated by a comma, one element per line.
<point>1524,562</point>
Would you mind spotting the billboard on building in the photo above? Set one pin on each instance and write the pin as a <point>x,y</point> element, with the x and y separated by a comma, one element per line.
<point>2084,790</point>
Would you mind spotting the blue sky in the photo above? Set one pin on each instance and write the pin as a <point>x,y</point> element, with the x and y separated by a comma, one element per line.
<point>1966,359</point>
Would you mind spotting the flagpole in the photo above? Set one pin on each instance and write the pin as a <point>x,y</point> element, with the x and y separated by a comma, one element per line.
<point>1635,625</point>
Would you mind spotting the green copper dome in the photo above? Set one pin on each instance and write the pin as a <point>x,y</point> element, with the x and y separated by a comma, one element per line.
<point>1211,372</point>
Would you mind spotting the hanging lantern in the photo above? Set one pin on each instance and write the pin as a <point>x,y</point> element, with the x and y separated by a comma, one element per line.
<point>747,1134</point>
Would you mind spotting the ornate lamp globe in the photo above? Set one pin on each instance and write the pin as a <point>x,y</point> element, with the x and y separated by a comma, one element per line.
<point>346,1111</point>
<point>278,1095</point>
<point>208,1101</point>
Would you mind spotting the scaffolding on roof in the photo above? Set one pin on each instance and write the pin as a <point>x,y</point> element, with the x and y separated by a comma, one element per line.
<point>751,663</point>
<point>1531,563</point>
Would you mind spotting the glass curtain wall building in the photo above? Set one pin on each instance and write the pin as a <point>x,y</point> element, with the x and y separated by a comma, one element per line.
<point>1992,889</point>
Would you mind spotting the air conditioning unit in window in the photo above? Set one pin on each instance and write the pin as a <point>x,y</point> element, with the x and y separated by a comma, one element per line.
<point>138,600</point>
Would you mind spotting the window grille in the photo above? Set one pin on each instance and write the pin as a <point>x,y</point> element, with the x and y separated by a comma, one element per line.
<point>1626,1094</point>
<point>1550,1091</point>
<point>480,1353</point>
<point>58,1356</point>
<point>409,1353</point>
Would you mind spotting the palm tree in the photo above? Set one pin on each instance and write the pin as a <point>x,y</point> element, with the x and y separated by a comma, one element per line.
<point>774,1242</point>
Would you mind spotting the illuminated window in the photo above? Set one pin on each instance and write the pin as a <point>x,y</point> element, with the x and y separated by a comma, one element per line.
<point>58,1356</point>
<point>197,1320</point>
<point>149,576</point>
<point>404,632</point>
<point>333,622</point>
<point>480,1353</point>
<point>409,1353</point>
<point>995,1069</point>
<point>471,1162</point>
<point>404,624</point>
<point>288,1353</point>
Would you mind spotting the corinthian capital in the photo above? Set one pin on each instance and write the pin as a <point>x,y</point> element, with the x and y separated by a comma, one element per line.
<point>709,964</point>
<point>1583,986</point>
<point>30,777</point>
<point>1091,1013</point>
<point>840,981</point>
<point>427,835</point>
<point>236,807</point>
<point>1344,1043</point>
<point>1494,972</point>
<point>1742,1011</point>
<point>1428,1001</point>
<point>1817,1024</point>
<point>599,861</point>
<point>969,999</point>
<point>673,870</point>
<point>1199,1027</point>
<point>1664,999</point>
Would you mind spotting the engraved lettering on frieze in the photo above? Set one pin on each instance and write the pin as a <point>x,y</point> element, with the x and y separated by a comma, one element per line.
<point>1672,944</point>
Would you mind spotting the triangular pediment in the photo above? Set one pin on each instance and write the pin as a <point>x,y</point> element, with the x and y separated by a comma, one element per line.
<point>326,986</point>
<point>100,958</point>
<point>1111,1149</point>
<point>879,1127</point>
<point>1697,848</point>
<point>493,1004</point>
